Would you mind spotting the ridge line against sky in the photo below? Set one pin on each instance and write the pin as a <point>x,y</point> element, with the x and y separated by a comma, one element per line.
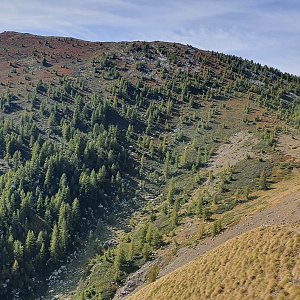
<point>265,31</point>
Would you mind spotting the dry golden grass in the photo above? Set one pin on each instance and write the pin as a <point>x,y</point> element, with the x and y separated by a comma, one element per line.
<point>261,264</point>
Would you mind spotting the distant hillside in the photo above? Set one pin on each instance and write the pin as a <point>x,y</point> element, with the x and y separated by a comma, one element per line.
<point>260,264</point>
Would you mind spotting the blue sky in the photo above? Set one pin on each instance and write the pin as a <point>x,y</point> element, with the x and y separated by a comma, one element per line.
<point>266,31</point>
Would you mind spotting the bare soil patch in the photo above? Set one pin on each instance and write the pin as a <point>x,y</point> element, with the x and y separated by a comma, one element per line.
<point>240,144</point>
<point>290,146</point>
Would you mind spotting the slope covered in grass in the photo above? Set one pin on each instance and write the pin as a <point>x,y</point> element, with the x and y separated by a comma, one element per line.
<point>261,264</point>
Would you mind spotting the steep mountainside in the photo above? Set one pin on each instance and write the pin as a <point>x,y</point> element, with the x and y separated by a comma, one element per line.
<point>126,152</point>
<point>260,264</point>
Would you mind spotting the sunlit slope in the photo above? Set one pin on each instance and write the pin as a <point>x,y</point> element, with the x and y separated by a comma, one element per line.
<point>261,264</point>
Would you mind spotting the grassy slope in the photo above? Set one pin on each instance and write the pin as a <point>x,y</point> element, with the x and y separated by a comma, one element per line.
<point>278,205</point>
<point>263,264</point>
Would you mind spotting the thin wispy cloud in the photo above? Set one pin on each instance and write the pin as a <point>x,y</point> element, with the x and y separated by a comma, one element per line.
<point>266,31</point>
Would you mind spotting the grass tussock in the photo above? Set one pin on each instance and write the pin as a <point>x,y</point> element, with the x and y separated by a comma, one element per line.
<point>261,264</point>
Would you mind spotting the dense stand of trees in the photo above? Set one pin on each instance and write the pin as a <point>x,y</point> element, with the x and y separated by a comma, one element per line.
<point>51,183</point>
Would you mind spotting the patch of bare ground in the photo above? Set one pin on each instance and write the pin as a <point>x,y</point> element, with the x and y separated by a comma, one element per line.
<point>289,145</point>
<point>240,144</point>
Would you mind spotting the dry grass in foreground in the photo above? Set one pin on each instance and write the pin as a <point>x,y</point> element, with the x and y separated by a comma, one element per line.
<point>261,264</point>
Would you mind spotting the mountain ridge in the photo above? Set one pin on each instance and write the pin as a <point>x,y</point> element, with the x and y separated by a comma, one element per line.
<point>27,34</point>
